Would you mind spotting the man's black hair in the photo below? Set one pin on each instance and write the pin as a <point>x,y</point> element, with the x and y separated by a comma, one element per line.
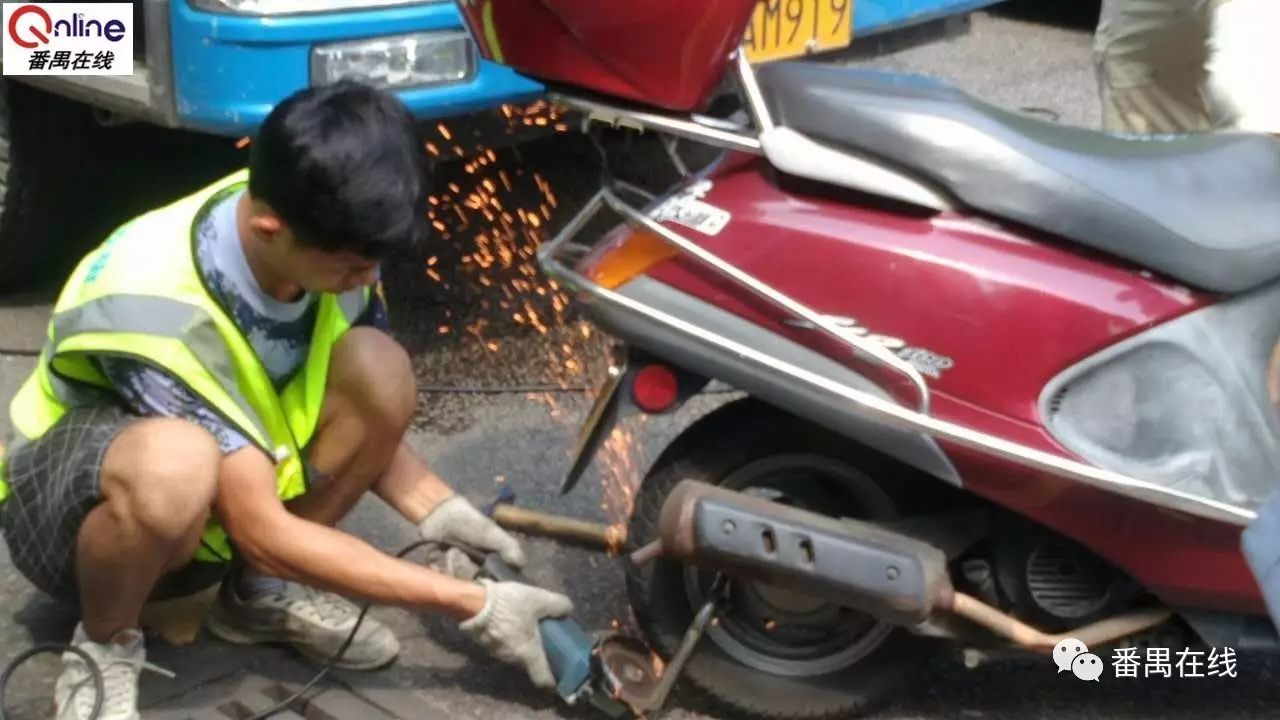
<point>344,167</point>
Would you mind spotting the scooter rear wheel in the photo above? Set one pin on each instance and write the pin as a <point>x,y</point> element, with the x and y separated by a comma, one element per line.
<point>775,653</point>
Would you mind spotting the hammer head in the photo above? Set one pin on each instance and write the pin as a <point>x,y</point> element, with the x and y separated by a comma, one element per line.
<point>506,496</point>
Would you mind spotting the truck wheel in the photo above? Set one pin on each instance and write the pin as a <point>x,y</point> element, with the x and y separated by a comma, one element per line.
<point>44,141</point>
<point>775,653</point>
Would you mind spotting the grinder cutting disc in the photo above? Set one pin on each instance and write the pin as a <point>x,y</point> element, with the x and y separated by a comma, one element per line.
<point>629,672</point>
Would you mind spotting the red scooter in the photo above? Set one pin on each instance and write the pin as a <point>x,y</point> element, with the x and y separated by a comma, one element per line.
<point>1005,382</point>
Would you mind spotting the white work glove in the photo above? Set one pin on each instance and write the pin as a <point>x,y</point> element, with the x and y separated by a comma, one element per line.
<point>452,562</point>
<point>507,627</point>
<point>457,522</point>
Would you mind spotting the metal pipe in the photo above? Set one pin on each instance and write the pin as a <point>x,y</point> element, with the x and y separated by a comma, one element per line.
<point>605,537</point>
<point>755,99</point>
<point>647,554</point>
<point>687,645</point>
<point>704,618</point>
<point>1024,635</point>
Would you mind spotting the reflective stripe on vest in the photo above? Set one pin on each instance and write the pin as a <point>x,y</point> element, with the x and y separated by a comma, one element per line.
<point>160,317</point>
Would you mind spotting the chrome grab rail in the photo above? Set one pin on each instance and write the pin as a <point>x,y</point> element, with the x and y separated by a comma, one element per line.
<point>872,350</point>
<point>751,89</point>
<point>875,407</point>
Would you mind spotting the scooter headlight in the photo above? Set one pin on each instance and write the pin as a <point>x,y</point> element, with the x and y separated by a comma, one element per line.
<point>1157,413</point>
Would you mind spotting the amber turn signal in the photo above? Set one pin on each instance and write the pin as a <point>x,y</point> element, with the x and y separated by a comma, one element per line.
<point>632,257</point>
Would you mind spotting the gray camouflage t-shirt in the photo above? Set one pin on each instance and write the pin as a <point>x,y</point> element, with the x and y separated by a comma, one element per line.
<point>280,332</point>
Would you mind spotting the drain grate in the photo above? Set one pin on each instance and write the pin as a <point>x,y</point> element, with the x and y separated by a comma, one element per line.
<point>242,697</point>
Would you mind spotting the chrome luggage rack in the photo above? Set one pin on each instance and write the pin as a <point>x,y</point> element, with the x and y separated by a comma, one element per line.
<point>712,131</point>
<point>558,256</point>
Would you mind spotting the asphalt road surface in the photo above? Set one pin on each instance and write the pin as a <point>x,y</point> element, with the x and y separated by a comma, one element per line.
<point>483,441</point>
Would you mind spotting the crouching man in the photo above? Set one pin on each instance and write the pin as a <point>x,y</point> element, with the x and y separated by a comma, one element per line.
<point>218,390</point>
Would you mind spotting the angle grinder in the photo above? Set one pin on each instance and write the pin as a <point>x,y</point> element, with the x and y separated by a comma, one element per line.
<point>614,673</point>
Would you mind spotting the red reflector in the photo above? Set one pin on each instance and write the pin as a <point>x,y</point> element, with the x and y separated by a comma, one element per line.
<point>654,388</point>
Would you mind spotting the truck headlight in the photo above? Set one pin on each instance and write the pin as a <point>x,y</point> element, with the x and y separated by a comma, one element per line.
<point>292,7</point>
<point>431,58</point>
<point>1157,413</point>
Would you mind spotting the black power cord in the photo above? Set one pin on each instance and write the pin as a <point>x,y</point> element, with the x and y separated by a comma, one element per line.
<point>333,661</point>
<point>94,671</point>
<point>100,689</point>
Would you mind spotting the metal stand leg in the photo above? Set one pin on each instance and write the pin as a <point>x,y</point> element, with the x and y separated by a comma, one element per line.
<point>690,642</point>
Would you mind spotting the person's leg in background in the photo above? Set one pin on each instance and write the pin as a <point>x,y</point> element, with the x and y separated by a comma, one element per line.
<point>1260,543</point>
<point>1150,58</point>
<point>1243,56</point>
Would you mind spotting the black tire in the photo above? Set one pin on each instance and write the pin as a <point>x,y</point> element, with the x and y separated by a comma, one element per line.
<point>711,451</point>
<point>46,181</point>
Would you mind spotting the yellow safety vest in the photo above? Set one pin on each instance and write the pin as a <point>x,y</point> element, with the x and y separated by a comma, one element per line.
<point>140,295</point>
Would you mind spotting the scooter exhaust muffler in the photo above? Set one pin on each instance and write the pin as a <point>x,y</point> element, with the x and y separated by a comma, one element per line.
<point>894,577</point>
<point>856,564</point>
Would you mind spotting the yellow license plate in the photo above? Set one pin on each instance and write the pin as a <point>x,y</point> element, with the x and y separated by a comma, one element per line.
<point>791,28</point>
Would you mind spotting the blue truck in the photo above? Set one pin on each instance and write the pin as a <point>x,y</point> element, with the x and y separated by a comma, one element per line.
<point>216,67</point>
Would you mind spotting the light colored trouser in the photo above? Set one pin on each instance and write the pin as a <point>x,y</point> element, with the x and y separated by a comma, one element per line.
<point>1188,65</point>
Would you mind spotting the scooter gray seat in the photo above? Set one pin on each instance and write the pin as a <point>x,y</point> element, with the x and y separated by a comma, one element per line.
<point>1203,209</point>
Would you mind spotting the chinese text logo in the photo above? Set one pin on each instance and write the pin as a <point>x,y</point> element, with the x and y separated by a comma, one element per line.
<point>1161,662</point>
<point>82,38</point>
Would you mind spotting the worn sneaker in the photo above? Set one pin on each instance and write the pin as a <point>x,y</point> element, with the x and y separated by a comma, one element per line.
<point>120,662</point>
<point>313,622</point>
